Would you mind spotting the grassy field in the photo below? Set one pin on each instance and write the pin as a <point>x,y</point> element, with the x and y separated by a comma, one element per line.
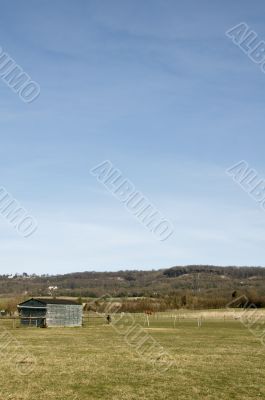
<point>220,360</point>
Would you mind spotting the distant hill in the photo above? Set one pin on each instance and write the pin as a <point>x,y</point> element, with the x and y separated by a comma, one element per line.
<point>198,280</point>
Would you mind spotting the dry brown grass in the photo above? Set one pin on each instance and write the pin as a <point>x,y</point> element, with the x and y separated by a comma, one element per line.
<point>221,360</point>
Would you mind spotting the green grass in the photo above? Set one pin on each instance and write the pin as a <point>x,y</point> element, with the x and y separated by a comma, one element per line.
<point>220,360</point>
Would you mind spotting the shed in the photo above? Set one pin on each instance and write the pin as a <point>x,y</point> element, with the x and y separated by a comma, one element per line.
<point>50,312</point>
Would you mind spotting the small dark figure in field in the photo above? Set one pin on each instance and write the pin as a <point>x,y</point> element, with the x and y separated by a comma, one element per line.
<point>108,319</point>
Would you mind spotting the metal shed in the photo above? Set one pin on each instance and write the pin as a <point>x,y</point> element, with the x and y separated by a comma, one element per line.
<point>50,312</point>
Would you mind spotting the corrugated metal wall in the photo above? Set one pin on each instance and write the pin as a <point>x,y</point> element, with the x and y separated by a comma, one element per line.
<point>64,315</point>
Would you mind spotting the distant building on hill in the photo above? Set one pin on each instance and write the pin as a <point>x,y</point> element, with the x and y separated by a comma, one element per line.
<point>50,312</point>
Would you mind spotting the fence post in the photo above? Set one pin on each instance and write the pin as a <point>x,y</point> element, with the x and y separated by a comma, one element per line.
<point>147,320</point>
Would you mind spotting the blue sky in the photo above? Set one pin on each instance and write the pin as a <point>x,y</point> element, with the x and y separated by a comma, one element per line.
<point>160,90</point>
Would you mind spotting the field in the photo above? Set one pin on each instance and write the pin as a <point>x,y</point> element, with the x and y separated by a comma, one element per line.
<point>221,359</point>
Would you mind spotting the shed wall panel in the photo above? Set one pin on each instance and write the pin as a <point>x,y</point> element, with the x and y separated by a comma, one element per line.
<point>64,315</point>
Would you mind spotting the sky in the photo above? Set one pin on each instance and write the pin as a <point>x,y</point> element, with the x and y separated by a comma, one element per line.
<point>157,88</point>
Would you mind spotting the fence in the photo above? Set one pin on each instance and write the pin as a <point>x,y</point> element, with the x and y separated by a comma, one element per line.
<point>176,318</point>
<point>155,320</point>
<point>9,322</point>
